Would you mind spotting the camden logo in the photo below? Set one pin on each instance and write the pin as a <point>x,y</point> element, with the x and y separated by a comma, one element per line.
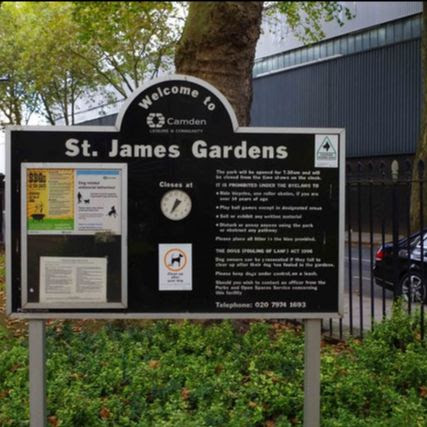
<point>156,120</point>
<point>158,123</point>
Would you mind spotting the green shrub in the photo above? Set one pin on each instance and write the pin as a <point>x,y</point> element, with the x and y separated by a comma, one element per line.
<point>191,374</point>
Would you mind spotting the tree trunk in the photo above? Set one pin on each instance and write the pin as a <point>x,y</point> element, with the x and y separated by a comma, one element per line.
<point>218,45</point>
<point>421,152</point>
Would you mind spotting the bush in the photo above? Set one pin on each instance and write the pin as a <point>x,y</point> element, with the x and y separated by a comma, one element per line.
<point>380,381</point>
<point>189,374</point>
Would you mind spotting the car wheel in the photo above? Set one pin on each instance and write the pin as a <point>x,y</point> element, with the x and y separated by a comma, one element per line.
<point>413,285</point>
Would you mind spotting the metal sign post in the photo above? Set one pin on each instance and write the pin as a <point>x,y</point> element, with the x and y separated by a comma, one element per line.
<point>312,372</point>
<point>37,372</point>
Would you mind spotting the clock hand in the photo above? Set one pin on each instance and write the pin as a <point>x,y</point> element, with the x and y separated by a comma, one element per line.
<point>175,205</point>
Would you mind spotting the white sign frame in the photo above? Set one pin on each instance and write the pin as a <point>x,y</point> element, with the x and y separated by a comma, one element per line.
<point>24,234</point>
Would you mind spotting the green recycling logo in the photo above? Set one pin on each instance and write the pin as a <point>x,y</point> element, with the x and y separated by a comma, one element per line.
<point>326,151</point>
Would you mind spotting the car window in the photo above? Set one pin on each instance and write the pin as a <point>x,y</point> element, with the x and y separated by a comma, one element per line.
<point>416,241</point>
<point>417,246</point>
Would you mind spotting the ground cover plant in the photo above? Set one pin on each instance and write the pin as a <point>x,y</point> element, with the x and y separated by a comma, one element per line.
<point>184,373</point>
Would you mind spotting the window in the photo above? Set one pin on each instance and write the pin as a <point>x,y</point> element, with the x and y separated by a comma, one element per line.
<point>330,46</point>
<point>351,44</point>
<point>366,42</point>
<point>407,27</point>
<point>297,57</point>
<point>381,36</point>
<point>310,54</point>
<point>416,27</point>
<point>398,32</point>
<point>304,55</point>
<point>336,47</point>
<point>389,33</point>
<point>344,45</point>
<point>358,44</point>
<point>316,52</point>
<point>374,38</point>
<point>323,50</point>
<point>417,247</point>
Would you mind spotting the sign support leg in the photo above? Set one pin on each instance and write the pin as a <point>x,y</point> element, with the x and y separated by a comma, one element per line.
<point>312,372</point>
<point>37,372</point>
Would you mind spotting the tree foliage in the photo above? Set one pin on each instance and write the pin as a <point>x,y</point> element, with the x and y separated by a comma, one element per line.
<point>128,42</point>
<point>305,18</point>
<point>15,93</point>
<point>57,55</point>
<point>58,78</point>
<point>35,43</point>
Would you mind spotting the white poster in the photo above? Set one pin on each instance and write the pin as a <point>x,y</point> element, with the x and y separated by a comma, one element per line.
<point>98,200</point>
<point>326,151</point>
<point>175,267</point>
<point>73,280</point>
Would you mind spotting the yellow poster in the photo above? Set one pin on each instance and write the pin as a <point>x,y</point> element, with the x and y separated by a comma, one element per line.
<point>50,199</point>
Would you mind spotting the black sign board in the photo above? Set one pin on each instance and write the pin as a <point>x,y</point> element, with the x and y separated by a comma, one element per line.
<point>175,212</point>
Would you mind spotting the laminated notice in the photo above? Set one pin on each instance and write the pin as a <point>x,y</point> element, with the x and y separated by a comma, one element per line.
<point>74,201</point>
<point>73,280</point>
<point>50,195</point>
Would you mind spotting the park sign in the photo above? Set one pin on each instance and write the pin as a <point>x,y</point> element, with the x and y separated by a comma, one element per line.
<point>175,212</point>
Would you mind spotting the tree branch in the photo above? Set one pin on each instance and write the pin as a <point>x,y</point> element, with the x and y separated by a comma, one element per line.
<point>103,74</point>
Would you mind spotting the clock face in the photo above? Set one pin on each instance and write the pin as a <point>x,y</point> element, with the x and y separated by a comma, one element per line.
<point>175,205</point>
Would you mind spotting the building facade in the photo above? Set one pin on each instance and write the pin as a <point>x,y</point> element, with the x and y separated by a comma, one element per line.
<point>364,77</point>
<point>367,81</point>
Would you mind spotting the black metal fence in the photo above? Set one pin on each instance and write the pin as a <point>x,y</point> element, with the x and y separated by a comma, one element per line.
<point>384,257</point>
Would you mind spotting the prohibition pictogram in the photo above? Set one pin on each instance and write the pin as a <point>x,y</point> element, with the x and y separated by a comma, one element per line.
<point>175,260</point>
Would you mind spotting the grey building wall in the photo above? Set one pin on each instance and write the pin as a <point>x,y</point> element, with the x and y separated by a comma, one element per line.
<point>277,38</point>
<point>109,120</point>
<point>375,95</point>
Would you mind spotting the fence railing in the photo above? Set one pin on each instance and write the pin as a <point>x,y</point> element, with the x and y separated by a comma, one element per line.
<point>385,257</point>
